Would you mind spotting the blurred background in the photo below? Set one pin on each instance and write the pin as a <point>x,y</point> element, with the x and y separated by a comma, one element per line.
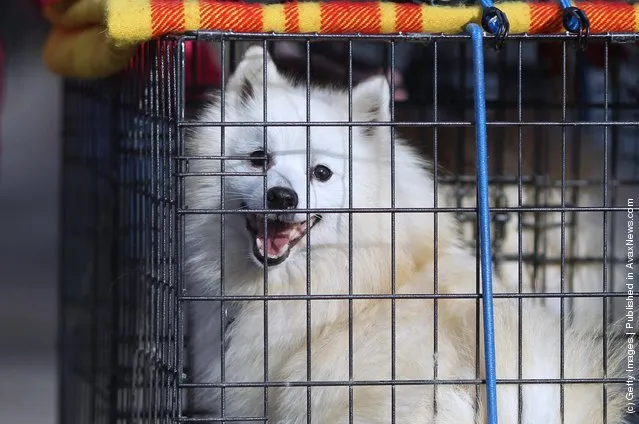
<point>29,164</point>
<point>30,134</point>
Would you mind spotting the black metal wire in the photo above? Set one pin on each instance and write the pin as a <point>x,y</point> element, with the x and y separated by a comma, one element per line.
<point>520,277</point>
<point>411,124</point>
<point>391,68</point>
<point>264,193</point>
<point>435,222</point>
<point>308,244</point>
<point>350,231</point>
<point>584,34</point>
<point>223,306</point>
<point>407,382</point>
<point>526,295</point>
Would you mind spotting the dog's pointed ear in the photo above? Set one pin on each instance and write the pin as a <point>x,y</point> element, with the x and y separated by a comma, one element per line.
<point>247,82</point>
<point>371,100</point>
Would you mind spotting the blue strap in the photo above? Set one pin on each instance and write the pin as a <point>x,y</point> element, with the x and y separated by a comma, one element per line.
<point>477,35</point>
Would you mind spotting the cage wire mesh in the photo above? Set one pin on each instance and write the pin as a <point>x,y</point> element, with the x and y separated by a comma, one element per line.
<point>120,314</point>
<point>563,130</point>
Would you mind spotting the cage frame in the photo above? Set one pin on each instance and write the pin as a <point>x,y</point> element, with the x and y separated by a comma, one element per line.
<point>181,122</point>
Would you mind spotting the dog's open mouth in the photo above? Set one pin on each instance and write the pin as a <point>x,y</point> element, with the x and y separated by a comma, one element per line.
<point>273,244</point>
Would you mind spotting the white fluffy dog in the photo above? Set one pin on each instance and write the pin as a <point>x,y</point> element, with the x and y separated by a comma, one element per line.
<point>370,340</point>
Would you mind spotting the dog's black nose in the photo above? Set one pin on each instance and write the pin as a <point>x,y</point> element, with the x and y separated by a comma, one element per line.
<point>281,198</point>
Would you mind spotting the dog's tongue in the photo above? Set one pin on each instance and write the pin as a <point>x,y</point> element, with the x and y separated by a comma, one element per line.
<point>276,241</point>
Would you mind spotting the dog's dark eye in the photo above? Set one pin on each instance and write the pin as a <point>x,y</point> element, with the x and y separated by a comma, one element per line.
<point>260,158</point>
<point>322,173</point>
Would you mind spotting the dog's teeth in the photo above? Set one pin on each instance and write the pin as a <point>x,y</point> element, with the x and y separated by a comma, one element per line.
<point>260,245</point>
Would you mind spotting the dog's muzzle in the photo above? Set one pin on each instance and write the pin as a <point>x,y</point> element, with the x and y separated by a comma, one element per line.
<point>273,238</point>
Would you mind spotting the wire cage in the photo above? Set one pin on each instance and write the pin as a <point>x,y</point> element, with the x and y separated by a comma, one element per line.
<point>563,126</point>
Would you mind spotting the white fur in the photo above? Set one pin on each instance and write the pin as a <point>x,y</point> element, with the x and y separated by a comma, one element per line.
<point>416,261</point>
